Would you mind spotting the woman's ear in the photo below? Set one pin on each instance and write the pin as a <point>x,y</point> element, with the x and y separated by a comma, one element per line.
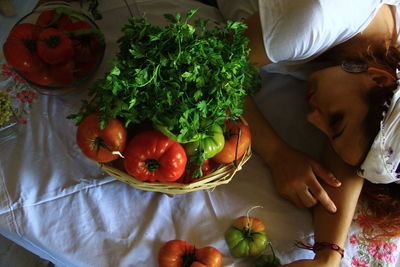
<point>381,77</point>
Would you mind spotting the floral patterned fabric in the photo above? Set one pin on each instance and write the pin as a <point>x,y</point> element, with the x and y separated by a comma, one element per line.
<point>22,95</point>
<point>367,252</point>
<point>373,253</point>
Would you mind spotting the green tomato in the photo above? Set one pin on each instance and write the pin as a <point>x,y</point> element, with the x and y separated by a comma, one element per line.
<point>246,237</point>
<point>167,132</point>
<point>267,261</point>
<point>209,146</point>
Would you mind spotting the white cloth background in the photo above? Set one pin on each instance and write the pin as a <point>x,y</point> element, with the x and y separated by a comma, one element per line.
<point>59,205</point>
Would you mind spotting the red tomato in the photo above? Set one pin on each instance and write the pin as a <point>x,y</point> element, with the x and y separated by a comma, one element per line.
<point>152,156</point>
<point>209,256</point>
<point>20,48</point>
<point>25,31</point>
<point>87,46</point>
<point>84,69</point>
<point>232,144</point>
<point>42,77</point>
<point>188,176</point>
<point>99,144</point>
<point>54,46</point>
<point>178,253</point>
<point>46,17</point>
<point>62,74</point>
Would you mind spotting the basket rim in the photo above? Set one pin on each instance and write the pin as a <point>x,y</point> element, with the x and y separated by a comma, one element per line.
<point>222,175</point>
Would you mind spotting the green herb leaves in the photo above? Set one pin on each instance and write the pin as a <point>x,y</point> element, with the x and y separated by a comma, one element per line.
<point>184,77</point>
<point>5,108</point>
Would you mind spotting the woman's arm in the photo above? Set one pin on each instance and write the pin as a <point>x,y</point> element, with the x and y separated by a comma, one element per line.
<point>333,228</point>
<point>257,54</point>
<point>299,182</point>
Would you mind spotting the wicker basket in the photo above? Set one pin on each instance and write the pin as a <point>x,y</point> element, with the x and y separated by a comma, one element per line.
<point>222,175</point>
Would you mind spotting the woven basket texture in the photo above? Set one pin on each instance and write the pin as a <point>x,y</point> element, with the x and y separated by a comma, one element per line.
<point>220,176</point>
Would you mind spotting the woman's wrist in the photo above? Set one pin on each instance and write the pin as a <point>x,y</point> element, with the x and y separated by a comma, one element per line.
<point>328,256</point>
<point>326,253</point>
<point>268,150</point>
<point>273,153</point>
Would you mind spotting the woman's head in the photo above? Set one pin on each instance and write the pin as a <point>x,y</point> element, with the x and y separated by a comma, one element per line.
<point>342,106</point>
<point>382,163</point>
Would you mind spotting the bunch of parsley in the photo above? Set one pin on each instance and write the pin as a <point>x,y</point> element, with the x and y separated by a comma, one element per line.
<point>183,77</point>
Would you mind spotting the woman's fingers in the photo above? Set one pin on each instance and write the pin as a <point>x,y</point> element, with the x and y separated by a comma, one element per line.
<point>325,175</point>
<point>300,183</point>
<point>307,198</point>
<point>320,195</point>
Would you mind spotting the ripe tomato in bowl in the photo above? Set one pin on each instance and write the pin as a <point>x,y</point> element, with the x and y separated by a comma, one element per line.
<point>55,48</point>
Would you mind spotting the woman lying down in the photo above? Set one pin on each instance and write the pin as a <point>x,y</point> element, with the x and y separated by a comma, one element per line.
<point>354,101</point>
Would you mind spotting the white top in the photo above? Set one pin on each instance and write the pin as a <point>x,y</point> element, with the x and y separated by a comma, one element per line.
<point>303,29</point>
<point>382,164</point>
<point>297,31</point>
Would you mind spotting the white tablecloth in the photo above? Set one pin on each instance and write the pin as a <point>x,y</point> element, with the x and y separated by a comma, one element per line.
<point>59,205</point>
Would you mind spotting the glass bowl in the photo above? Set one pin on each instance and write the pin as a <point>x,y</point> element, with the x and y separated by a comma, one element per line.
<point>60,48</point>
<point>9,130</point>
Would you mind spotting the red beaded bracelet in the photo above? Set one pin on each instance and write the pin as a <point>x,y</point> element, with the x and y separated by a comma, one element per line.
<point>320,245</point>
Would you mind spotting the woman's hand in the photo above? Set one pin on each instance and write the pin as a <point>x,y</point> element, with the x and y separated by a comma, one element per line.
<point>296,178</point>
<point>295,174</point>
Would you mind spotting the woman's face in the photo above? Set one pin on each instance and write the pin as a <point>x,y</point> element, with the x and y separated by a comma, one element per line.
<point>338,107</point>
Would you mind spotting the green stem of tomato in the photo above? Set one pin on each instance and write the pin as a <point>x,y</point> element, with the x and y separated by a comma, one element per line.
<point>87,32</point>
<point>152,164</point>
<point>62,10</point>
<point>69,12</point>
<point>247,233</point>
<point>272,249</point>
<point>98,143</point>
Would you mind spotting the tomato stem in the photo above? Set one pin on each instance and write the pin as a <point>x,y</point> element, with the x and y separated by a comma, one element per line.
<point>62,10</point>
<point>53,41</point>
<point>247,230</point>
<point>228,134</point>
<point>188,259</point>
<point>98,143</point>
<point>30,44</point>
<point>152,164</point>
<point>69,12</point>
<point>87,32</point>
<point>272,249</point>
